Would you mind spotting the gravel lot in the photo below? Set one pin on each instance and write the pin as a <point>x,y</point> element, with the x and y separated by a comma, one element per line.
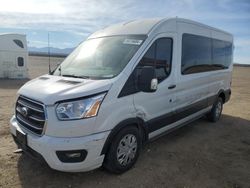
<point>202,154</point>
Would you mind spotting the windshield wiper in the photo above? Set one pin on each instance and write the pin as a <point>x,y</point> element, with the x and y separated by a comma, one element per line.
<point>74,76</point>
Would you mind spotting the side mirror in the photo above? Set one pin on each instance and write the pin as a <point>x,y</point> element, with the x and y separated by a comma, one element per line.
<point>147,81</point>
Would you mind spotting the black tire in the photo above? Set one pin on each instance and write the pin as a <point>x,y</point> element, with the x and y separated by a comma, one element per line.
<point>215,113</point>
<point>111,162</point>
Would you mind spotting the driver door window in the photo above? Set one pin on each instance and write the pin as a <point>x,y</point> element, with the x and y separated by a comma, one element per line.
<point>159,55</point>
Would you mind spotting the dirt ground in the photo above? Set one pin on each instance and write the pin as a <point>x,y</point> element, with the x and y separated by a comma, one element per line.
<point>202,154</point>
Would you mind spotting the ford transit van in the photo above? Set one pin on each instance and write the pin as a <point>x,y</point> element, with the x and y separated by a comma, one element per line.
<point>124,86</point>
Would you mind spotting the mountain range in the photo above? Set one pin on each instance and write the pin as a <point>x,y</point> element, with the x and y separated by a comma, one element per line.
<point>53,51</point>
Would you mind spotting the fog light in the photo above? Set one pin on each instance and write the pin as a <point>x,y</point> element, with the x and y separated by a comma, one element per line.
<point>71,156</point>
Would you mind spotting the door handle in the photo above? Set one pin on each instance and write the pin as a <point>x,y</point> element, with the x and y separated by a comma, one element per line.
<point>171,86</point>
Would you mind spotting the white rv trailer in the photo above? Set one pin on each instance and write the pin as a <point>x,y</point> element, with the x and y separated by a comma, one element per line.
<point>13,56</point>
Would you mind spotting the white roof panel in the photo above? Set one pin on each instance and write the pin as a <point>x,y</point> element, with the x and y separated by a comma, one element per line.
<point>126,28</point>
<point>145,26</point>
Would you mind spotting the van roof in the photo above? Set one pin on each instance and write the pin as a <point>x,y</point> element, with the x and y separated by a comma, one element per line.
<point>145,27</point>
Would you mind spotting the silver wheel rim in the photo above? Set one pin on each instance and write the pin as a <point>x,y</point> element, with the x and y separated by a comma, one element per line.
<point>126,150</point>
<point>218,109</point>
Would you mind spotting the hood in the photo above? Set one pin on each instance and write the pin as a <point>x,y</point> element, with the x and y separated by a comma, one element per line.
<point>50,89</point>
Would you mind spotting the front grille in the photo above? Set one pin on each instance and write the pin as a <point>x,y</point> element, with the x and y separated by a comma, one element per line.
<point>30,114</point>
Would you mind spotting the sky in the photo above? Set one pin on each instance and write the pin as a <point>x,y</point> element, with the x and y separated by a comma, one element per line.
<point>71,21</point>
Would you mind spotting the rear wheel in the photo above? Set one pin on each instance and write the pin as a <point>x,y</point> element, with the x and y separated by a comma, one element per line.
<point>216,110</point>
<point>124,150</point>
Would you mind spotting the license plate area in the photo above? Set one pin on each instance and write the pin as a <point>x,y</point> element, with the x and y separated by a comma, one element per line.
<point>21,138</point>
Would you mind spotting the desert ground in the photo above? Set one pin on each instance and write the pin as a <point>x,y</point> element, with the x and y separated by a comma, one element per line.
<point>202,154</point>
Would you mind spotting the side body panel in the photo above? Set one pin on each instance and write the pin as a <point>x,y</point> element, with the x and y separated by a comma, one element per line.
<point>194,93</point>
<point>191,88</point>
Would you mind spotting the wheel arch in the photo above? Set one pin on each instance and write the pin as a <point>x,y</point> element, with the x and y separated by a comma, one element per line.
<point>224,94</point>
<point>137,122</point>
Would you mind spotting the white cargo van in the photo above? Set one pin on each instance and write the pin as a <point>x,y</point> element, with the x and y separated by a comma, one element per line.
<point>123,86</point>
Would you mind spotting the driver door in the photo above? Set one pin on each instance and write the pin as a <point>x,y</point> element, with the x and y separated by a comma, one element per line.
<point>156,107</point>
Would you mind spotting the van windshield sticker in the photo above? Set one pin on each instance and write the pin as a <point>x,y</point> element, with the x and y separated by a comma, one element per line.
<point>132,41</point>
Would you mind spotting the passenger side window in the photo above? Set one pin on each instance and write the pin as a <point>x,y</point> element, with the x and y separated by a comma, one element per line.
<point>202,54</point>
<point>196,54</point>
<point>159,55</point>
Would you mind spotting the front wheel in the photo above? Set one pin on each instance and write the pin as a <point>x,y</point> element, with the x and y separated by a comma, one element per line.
<point>215,113</point>
<point>124,150</point>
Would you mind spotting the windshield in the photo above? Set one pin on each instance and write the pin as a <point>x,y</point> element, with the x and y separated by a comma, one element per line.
<point>100,58</point>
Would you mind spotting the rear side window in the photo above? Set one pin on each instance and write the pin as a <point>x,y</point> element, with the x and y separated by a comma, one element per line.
<point>19,43</point>
<point>222,53</point>
<point>228,54</point>
<point>20,61</point>
<point>201,54</point>
<point>218,52</point>
<point>159,55</point>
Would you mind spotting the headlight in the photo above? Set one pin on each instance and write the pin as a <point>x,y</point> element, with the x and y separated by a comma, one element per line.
<point>79,109</point>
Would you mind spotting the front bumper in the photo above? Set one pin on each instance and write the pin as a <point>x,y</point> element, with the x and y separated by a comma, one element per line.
<point>46,146</point>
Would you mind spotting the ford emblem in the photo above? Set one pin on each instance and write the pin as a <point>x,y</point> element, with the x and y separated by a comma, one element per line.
<point>24,111</point>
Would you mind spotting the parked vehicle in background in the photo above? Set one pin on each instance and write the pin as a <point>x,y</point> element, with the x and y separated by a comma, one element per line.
<point>123,86</point>
<point>13,56</point>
